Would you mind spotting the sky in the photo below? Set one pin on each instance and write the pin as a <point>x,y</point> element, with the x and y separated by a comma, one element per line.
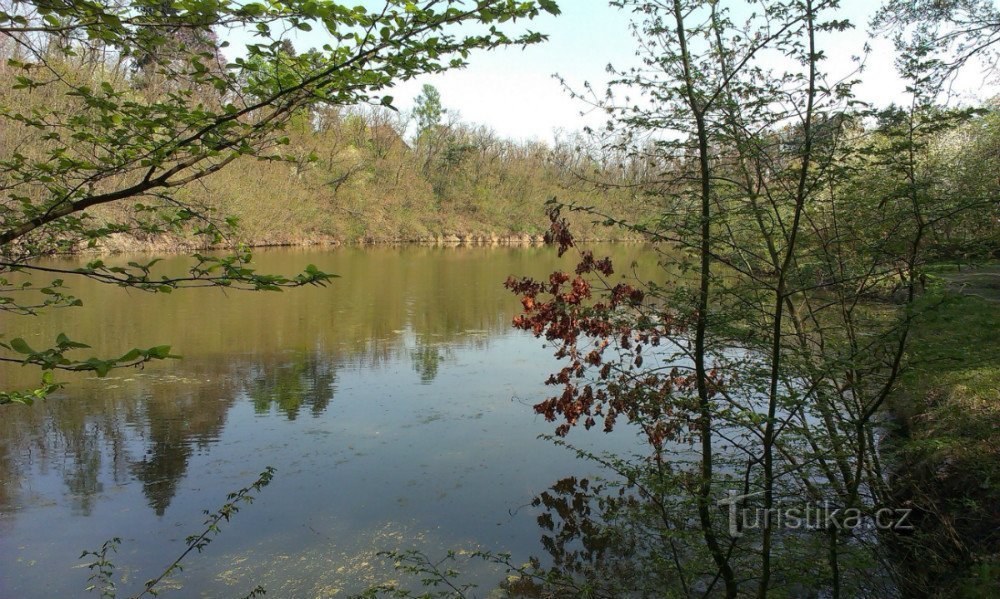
<point>513,91</point>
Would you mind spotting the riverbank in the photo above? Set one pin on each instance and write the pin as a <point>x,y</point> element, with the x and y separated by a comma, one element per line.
<point>168,244</point>
<point>947,443</point>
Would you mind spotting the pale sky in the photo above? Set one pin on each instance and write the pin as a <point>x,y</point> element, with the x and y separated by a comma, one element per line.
<point>513,90</point>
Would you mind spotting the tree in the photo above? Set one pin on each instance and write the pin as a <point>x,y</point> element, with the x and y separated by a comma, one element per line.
<point>95,146</point>
<point>432,137</point>
<point>427,109</point>
<point>761,371</point>
<point>943,36</point>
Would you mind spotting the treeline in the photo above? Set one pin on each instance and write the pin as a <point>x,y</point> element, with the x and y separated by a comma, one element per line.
<point>364,175</point>
<point>370,174</point>
<point>357,175</point>
<point>336,174</point>
<point>938,160</point>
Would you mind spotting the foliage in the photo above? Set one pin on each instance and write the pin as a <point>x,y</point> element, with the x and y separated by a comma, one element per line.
<point>427,109</point>
<point>765,371</point>
<point>368,184</point>
<point>759,378</point>
<point>944,35</point>
<point>27,397</point>
<point>102,568</point>
<point>124,105</point>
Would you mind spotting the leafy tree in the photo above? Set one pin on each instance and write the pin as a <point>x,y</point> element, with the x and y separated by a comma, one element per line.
<point>119,106</point>
<point>427,108</point>
<point>762,371</point>
<point>944,35</point>
<point>433,138</point>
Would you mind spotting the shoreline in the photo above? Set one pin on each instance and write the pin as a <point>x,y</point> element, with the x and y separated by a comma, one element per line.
<point>174,245</point>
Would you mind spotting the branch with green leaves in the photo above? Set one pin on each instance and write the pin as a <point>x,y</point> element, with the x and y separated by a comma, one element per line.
<point>55,358</point>
<point>102,569</point>
<point>111,109</point>
<point>113,141</point>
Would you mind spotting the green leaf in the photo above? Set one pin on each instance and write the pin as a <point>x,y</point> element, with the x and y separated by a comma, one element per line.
<point>160,351</point>
<point>131,355</point>
<point>21,346</point>
<point>549,6</point>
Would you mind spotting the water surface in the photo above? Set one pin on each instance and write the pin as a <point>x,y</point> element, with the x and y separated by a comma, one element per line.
<point>395,405</point>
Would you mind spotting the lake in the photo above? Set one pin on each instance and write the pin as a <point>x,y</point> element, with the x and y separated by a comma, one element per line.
<point>394,403</point>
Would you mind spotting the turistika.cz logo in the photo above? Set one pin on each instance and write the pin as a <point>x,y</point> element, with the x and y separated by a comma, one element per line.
<point>809,516</point>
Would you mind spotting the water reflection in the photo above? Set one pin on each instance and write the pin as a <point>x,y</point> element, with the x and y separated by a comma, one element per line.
<point>384,401</point>
<point>427,359</point>
<point>175,427</point>
<point>305,380</point>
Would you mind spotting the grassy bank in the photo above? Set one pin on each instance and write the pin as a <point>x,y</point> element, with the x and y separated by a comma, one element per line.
<point>948,408</point>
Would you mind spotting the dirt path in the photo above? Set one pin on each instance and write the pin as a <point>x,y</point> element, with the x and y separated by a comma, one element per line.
<point>982,282</point>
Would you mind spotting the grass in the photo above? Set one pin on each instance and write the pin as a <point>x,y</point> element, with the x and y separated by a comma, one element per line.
<point>948,406</point>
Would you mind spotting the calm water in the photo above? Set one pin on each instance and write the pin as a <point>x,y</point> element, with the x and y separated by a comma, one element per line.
<point>395,405</point>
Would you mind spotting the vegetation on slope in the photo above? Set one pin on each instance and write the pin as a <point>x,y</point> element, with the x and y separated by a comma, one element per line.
<point>948,407</point>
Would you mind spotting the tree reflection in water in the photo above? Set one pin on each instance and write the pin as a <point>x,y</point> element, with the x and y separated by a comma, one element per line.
<point>406,346</point>
<point>305,380</point>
